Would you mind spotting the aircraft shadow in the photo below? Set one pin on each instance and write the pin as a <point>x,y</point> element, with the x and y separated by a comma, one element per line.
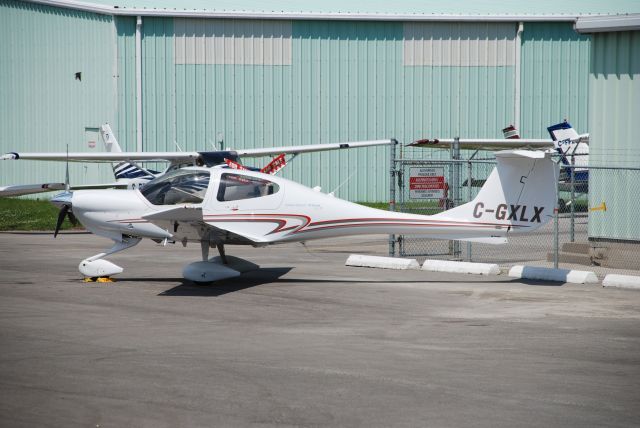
<point>45,232</point>
<point>421,281</point>
<point>538,283</point>
<point>271,275</point>
<point>219,288</point>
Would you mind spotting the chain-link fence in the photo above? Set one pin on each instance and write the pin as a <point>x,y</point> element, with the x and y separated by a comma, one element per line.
<point>584,234</point>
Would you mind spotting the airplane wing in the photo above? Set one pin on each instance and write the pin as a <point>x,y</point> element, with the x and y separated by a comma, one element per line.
<point>28,189</point>
<point>179,213</point>
<point>486,143</point>
<point>174,157</point>
<point>270,151</point>
<point>491,143</point>
<point>103,156</point>
<point>185,156</point>
<point>192,216</point>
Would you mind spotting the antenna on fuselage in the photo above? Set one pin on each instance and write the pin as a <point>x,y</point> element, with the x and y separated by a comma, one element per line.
<point>332,193</point>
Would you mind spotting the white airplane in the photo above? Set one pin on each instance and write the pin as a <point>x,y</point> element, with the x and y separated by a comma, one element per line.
<point>209,198</point>
<point>217,206</point>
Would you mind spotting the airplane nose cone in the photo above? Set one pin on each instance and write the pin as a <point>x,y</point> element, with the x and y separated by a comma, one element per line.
<point>62,199</point>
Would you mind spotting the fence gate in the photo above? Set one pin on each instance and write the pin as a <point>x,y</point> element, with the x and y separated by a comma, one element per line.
<point>424,187</point>
<point>427,187</point>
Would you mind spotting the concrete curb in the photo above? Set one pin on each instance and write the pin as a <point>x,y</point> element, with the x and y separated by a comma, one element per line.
<point>461,267</point>
<point>621,281</point>
<point>360,260</point>
<point>550,274</point>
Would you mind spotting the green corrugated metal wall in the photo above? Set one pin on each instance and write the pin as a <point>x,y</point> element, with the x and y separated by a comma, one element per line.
<point>345,81</point>
<point>42,106</point>
<point>614,112</point>
<point>554,78</point>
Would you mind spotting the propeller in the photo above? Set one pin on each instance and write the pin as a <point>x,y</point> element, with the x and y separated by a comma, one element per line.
<point>63,200</point>
<point>65,211</point>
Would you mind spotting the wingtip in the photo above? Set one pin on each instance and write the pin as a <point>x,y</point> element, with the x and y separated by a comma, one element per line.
<point>424,142</point>
<point>10,156</point>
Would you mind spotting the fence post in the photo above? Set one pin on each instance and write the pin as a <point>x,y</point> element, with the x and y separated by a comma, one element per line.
<point>556,239</point>
<point>572,235</point>
<point>469,194</point>
<point>456,186</point>
<point>392,192</point>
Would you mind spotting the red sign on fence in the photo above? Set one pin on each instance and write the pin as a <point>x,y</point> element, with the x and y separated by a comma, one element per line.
<point>426,183</point>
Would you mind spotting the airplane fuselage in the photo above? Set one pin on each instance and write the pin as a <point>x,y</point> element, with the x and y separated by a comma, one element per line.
<point>245,207</point>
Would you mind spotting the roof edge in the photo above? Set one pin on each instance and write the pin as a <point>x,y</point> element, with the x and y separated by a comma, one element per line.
<point>242,14</point>
<point>597,24</point>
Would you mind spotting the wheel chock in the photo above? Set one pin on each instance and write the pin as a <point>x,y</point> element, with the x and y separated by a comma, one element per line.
<point>98,279</point>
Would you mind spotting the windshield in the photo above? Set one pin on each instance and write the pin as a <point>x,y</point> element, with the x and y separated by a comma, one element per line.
<point>177,187</point>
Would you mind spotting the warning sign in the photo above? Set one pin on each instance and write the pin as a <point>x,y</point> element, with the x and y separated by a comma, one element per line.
<point>426,183</point>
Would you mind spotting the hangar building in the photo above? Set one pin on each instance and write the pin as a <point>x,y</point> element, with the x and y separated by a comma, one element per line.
<point>614,109</point>
<point>198,74</point>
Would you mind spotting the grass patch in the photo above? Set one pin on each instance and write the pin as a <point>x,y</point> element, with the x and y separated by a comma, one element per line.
<point>377,205</point>
<point>29,214</point>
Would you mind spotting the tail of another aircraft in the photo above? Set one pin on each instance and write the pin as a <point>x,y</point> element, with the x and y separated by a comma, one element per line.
<point>519,194</point>
<point>567,142</point>
<point>122,170</point>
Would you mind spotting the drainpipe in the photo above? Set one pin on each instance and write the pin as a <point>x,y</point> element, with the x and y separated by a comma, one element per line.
<point>139,83</point>
<point>516,113</point>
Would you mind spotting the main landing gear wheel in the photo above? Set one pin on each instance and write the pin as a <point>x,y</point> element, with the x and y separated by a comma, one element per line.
<point>216,268</point>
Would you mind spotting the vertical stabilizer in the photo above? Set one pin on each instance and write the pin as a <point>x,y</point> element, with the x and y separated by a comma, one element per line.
<point>122,170</point>
<point>567,142</point>
<point>110,142</point>
<point>519,193</point>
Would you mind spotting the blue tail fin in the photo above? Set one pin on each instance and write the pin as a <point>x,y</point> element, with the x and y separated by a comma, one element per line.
<point>567,142</point>
<point>122,170</point>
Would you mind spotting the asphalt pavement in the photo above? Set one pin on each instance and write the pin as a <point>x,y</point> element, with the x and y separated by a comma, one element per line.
<point>304,341</point>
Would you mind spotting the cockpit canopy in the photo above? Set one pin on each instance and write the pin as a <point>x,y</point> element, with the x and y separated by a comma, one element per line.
<point>178,187</point>
<point>236,187</point>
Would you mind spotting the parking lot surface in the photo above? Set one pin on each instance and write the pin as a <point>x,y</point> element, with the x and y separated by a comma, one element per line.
<point>304,341</point>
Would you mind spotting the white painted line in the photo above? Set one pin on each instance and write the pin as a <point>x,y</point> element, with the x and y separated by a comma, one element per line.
<point>461,267</point>
<point>621,281</point>
<point>360,260</point>
<point>550,274</point>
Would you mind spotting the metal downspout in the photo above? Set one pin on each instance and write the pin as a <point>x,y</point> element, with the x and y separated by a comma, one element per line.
<point>139,83</point>
<point>516,112</point>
